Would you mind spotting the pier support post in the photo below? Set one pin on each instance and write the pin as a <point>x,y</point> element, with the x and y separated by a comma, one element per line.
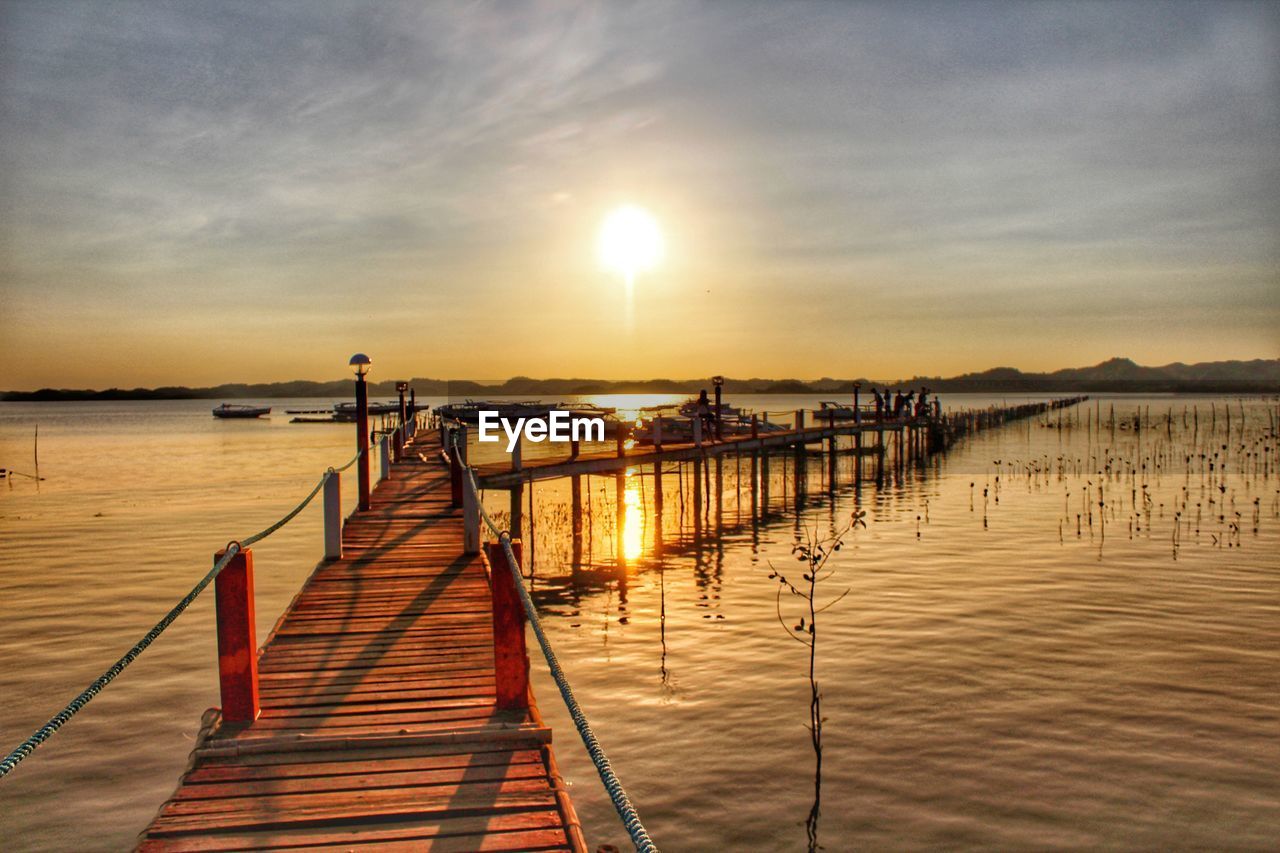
<point>237,638</point>
<point>657,509</point>
<point>470,520</point>
<point>831,463</point>
<point>517,454</point>
<point>764,484</point>
<point>333,516</point>
<point>517,511</point>
<point>575,501</point>
<point>697,491</point>
<point>384,457</point>
<point>510,657</point>
<point>857,457</point>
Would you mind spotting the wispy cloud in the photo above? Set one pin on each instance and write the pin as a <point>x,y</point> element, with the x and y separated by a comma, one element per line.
<point>400,170</point>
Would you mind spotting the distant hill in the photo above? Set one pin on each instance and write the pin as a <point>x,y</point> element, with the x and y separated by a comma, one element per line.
<point>1116,374</point>
<point>1122,375</point>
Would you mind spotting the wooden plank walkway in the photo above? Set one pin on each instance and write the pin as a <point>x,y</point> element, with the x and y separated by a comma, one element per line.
<point>379,726</point>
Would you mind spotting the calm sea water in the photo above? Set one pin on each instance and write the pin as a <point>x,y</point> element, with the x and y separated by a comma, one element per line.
<point>1060,634</point>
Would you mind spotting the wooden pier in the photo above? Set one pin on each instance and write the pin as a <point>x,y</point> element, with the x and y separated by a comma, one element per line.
<point>390,706</point>
<point>382,721</point>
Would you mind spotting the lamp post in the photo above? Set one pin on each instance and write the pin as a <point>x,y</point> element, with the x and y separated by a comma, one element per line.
<point>360,364</point>
<point>718,381</point>
<point>401,387</point>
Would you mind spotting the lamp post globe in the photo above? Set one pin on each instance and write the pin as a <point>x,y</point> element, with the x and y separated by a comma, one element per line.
<point>360,363</point>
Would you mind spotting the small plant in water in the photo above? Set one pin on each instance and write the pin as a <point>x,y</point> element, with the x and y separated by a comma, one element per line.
<point>813,553</point>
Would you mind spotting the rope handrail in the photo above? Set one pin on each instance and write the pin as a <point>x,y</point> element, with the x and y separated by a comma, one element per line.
<point>612,785</point>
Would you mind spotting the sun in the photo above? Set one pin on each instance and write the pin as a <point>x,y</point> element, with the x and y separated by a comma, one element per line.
<point>630,242</point>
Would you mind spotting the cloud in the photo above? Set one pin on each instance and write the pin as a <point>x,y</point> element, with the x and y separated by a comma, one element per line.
<point>300,157</point>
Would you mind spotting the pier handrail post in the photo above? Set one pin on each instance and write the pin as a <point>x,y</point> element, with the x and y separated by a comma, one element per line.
<point>237,638</point>
<point>799,419</point>
<point>657,432</point>
<point>510,655</point>
<point>755,426</point>
<point>362,439</point>
<point>402,432</point>
<point>470,521</point>
<point>333,516</point>
<point>718,382</point>
<point>384,457</point>
<point>456,487</point>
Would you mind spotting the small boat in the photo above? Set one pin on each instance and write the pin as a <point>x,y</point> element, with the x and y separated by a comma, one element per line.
<point>690,407</point>
<point>345,413</point>
<point>236,410</point>
<point>830,409</point>
<point>469,411</point>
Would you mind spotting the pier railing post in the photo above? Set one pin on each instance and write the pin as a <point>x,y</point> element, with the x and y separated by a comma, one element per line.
<point>456,487</point>
<point>799,419</point>
<point>237,638</point>
<point>510,656</point>
<point>333,516</point>
<point>517,453</point>
<point>470,521</point>
<point>657,432</point>
<point>362,440</point>
<point>384,457</point>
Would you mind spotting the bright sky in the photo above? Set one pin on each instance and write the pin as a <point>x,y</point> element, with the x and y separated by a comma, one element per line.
<point>206,192</point>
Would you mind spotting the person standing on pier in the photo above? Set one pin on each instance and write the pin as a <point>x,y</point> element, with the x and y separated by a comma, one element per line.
<point>898,402</point>
<point>879,403</point>
<point>704,414</point>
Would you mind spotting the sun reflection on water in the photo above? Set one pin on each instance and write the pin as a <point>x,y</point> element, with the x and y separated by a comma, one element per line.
<point>632,517</point>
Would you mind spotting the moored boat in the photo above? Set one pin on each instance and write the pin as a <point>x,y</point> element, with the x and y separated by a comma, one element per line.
<point>238,410</point>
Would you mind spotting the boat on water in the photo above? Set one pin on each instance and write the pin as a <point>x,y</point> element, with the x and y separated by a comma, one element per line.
<point>469,411</point>
<point>349,409</point>
<point>829,409</point>
<point>678,428</point>
<point>238,410</point>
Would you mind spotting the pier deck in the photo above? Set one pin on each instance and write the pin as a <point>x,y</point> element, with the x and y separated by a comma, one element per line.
<point>502,475</point>
<point>379,724</point>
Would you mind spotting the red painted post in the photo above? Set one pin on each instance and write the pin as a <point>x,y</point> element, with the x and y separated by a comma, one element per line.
<point>237,638</point>
<point>510,657</point>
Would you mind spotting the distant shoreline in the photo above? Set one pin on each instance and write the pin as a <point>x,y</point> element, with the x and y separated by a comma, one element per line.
<point>1260,376</point>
